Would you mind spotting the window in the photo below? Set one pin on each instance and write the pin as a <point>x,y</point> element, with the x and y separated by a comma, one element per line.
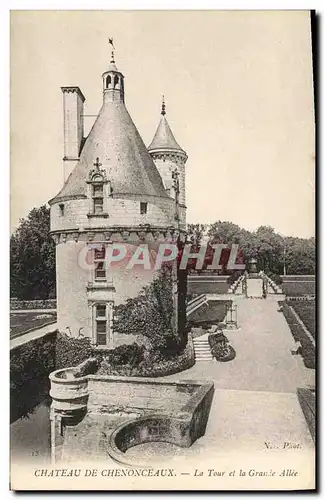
<point>98,198</point>
<point>143,208</point>
<point>99,260</point>
<point>115,80</point>
<point>108,81</point>
<point>102,326</point>
<point>61,208</point>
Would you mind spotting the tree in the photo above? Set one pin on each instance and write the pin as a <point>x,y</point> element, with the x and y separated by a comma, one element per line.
<point>150,314</point>
<point>267,246</point>
<point>32,257</point>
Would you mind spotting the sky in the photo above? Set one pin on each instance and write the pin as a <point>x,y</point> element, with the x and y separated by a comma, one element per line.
<point>238,87</point>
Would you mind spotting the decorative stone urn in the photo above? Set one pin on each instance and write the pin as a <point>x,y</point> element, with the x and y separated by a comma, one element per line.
<point>252,268</point>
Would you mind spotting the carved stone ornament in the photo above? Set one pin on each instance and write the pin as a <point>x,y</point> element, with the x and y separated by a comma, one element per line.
<point>125,235</point>
<point>75,236</point>
<point>142,235</point>
<point>56,238</point>
<point>97,174</point>
<point>63,237</point>
<point>90,236</point>
<point>107,236</point>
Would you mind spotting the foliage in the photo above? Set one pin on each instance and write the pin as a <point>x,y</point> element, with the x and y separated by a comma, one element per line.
<point>32,257</point>
<point>126,354</point>
<point>32,360</point>
<point>152,365</point>
<point>271,249</point>
<point>221,350</point>
<point>195,232</point>
<point>71,351</point>
<point>151,314</point>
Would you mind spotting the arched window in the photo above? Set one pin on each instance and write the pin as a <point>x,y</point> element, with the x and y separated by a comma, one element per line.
<point>108,81</point>
<point>115,80</point>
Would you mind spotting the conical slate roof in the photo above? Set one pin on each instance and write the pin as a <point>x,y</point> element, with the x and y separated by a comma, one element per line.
<point>164,137</point>
<point>115,140</point>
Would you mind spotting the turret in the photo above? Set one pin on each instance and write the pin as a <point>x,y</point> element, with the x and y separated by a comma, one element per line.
<point>113,83</point>
<point>170,161</point>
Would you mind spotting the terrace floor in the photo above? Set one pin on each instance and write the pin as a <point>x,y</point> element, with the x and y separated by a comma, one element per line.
<point>263,359</point>
<point>255,400</point>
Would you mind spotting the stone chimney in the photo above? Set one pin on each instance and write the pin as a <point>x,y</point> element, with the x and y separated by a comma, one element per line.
<point>73,127</point>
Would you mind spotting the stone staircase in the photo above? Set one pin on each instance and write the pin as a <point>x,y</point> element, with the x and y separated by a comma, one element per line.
<point>202,350</point>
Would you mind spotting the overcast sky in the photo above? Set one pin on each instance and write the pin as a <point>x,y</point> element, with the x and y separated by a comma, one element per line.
<point>238,89</point>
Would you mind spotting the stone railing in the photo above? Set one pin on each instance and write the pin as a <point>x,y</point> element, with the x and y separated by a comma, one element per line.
<point>233,288</point>
<point>195,304</point>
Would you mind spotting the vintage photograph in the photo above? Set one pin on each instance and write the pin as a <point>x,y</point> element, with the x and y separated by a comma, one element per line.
<point>162,250</point>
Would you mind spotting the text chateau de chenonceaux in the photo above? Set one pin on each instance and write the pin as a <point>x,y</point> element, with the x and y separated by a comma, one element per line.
<point>149,355</point>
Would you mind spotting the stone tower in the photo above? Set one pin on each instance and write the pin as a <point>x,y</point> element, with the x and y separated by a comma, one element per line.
<point>170,161</point>
<point>113,194</point>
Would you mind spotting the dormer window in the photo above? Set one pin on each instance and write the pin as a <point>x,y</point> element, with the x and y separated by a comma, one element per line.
<point>143,208</point>
<point>98,190</point>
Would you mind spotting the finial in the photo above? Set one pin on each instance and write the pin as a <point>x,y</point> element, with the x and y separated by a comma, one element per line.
<point>97,164</point>
<point>163,106</point>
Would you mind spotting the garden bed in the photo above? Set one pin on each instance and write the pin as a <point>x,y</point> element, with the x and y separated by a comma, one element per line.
<point>306,312</point>
<point>299,335</point>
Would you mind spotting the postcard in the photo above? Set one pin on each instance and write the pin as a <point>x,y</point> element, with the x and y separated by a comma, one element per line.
<point>162,287</point>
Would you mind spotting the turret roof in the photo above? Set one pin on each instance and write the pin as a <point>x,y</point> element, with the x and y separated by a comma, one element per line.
<point>115,140</point>
<point>164,137</point>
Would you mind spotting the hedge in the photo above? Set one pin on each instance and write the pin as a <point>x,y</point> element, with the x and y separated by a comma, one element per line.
<point>37,358</point>
<point>16,305</point>
<point>33,360</point>
<point>299,335</point>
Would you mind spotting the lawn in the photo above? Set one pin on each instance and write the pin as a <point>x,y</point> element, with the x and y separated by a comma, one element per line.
<point>297,286</point>
<point>22,322</point>
<point>306,312</point>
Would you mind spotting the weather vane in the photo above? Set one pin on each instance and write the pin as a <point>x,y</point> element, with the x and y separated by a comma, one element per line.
<point>110,41</point>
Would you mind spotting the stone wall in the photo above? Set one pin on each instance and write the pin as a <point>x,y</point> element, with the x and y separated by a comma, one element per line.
<point>121,212</point>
